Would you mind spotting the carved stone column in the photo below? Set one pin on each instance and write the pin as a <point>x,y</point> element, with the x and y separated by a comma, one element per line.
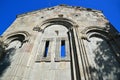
<point>78,73</point>
<point>82,56</point>
<point>73,69</point>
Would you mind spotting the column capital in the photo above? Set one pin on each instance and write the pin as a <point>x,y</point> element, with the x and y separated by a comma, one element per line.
<point>83,36</point>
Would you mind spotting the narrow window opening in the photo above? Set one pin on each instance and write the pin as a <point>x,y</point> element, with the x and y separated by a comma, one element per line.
<point>46,48</point>
<point>63,54</point>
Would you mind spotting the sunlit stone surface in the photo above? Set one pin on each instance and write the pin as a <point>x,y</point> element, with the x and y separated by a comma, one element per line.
<point>60,43</point>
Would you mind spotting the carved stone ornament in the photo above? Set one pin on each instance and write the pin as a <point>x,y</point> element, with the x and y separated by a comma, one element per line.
<point>83,36</point>
<point>37,28</point>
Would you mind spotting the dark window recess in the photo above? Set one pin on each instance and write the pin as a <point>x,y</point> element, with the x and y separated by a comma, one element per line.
<point>63,54</point>
<point>46,48</point>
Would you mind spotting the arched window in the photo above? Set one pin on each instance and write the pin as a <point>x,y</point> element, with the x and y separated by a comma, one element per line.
<point>14,42</point>
<point>102,59</point>
<point>55,49</point>
<point>55,43</point>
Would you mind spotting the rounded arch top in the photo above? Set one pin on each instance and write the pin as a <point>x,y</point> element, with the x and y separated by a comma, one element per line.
<point>58,21</point>
<point>19,35</point>
<point>96,31</point>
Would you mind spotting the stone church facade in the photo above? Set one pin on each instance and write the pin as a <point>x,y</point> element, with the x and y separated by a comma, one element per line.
<point>33,46</point>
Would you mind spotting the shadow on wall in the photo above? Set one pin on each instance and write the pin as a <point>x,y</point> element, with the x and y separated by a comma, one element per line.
<point>105,67</point>
<point>6,60</point>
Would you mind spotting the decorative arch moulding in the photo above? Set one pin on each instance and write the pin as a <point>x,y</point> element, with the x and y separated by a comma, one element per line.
<point>7,38</point>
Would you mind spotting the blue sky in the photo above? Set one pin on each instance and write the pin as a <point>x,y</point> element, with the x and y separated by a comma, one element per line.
<point>10,8</point>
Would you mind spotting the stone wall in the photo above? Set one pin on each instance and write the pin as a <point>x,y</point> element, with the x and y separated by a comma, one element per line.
<point>77,26</point>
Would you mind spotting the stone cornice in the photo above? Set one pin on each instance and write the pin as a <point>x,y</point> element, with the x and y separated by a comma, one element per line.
<point>63,6</point>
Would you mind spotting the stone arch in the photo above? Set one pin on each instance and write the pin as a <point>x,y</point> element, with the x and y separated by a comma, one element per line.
<point>70,27</point>
<point>101,54</point>
<point>14,42</point>
<point>22,36</point>
<point>94,28</point>
<point>103,33</point>
<point>96,31</point>
<point>61,21</point>
<point>63,24</point>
